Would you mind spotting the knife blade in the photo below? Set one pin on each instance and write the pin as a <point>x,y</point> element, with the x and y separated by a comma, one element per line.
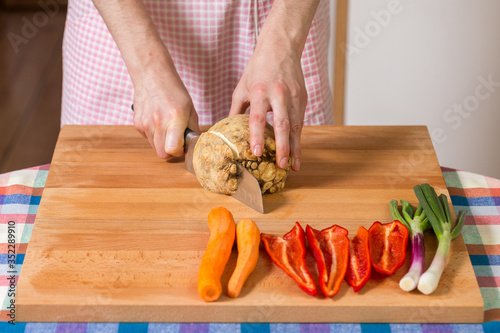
<point>248,189</point>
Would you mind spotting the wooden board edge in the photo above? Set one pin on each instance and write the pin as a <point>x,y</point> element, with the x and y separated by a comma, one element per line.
<point>472,313</point>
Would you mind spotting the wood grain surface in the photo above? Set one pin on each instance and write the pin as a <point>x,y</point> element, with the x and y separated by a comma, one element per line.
<point>120,233</point>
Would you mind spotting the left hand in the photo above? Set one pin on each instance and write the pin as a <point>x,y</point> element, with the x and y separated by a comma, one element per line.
<point>273,81</point>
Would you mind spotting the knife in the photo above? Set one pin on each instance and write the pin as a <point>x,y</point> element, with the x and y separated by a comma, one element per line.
<point>248,190</point>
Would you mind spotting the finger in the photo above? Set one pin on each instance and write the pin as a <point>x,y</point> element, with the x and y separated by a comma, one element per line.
<point>296,124</point>
<point>159,133</point>
<point>297,113</point>
<point>257,123</point>
<point>239,103</point>
<point>154,126</point>
<point>281,119</point>
<point>159,143</point>
<point>150,135</point>
<point>174,142</point>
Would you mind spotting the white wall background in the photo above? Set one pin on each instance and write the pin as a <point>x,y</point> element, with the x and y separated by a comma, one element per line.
<point>426,62</point>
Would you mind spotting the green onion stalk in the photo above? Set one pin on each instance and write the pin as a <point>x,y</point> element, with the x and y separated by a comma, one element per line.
<point>438,214</point>
<point>417,222</point>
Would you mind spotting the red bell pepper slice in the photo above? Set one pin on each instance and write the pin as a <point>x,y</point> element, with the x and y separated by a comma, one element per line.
<point>288,252</point>
<point>330,248</point>
<point>360,265</point>
<point>388,246</point>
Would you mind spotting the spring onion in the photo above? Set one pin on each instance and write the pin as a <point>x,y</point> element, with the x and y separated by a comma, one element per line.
<point>438,214</point>
<point>417,222</point>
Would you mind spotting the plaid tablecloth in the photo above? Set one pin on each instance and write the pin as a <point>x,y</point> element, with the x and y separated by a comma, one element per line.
<point>20,194</point>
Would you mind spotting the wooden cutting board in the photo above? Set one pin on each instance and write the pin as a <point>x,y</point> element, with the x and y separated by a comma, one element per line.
<point>120,233</point>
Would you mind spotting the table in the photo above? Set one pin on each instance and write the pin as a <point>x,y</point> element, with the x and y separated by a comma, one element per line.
<point>20,194</point>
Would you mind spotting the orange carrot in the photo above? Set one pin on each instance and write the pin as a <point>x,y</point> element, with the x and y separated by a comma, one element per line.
<point>248,240</point>
<point>222,234</point>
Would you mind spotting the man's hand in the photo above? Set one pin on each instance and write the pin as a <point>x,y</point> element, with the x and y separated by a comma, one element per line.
<point>162,105</point>
<point>273,79</point>
<point>163,109</point>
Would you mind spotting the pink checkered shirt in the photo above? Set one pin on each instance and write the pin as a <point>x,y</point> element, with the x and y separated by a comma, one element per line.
<point>210,43</point>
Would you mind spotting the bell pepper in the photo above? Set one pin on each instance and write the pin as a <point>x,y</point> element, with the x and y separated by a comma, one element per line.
<point>330,248</point>
<point>388,246</point>
<point>288,252</point>
<point>360,265</point>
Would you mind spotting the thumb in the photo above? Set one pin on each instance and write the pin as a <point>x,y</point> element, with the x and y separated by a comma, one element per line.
<point>174,142</point>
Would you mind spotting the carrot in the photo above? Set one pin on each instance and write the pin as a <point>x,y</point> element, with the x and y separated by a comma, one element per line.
<point>248,240</point>
<point>222,234</point>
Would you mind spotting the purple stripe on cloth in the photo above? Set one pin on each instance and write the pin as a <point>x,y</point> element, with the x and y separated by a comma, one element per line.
<point>314,328</point>
<point>437,328</point>
<point>71,328</point>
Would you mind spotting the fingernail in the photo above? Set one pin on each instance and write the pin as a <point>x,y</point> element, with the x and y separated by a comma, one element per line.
<point>284,162</point>
<point>296,164</point>
<point>257,150</point>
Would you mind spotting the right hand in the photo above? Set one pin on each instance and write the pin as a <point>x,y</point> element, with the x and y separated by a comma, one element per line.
<point>163,107</point>
<point>163,110</point>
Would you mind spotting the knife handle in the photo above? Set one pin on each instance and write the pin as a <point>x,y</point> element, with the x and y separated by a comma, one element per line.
<point>188,135</point>
<point>187,131</point>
